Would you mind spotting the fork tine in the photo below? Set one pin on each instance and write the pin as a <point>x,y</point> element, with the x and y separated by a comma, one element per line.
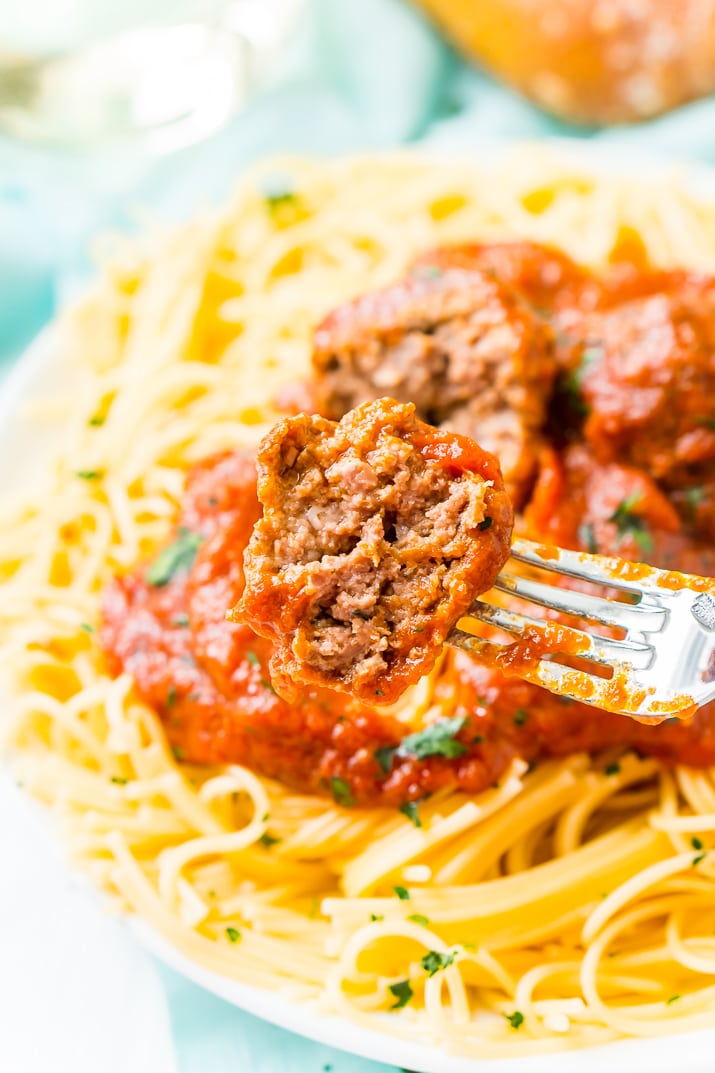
<point>628,616</point>
<point>598,649</point>
<point>567,682</point>
<point>578,564</point>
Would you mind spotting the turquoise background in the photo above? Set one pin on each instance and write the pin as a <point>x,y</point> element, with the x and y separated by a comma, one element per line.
<point>364,74</point>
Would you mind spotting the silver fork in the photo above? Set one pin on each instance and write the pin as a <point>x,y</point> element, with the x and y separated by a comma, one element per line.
<point>662,666</point>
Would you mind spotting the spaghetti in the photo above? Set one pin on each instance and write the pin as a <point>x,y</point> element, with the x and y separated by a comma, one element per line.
<point>566,906</point>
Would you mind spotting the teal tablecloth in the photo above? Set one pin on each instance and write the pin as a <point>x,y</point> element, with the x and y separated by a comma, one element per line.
<point>366,74</point>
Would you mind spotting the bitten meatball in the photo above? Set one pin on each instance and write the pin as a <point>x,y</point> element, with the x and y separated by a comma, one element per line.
<point>465,348</point>
<point>648,383</point>
<point>378,532</point>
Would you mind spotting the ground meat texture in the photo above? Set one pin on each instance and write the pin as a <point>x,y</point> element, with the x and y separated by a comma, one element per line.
<point>647,379</point>
<point>378,532</point>
<point>465,348</point>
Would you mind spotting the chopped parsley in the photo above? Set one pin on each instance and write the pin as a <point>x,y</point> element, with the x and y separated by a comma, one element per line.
<point>409,809</point>
<point>89,474</point>
<point>379,693</point>
<point>96,421</point>
<point>119,780</point>
<point>569,385</point>
<point>86,627</point>
<point>438,739</point>
<point>486,523</point>
<point>278,193</point>
<point>706,422</point>
<point>171,697</point>
<point>417,918</point>
<point>520,717</point>
<point>253,658</point>
<point>375,918</point>
<point>233,934</point>
<point>341,792</point>
<point>673,998</point>
<point>632,525</point>
<point>434,961</point>
<point>180,620</point>
<point>515,1019</point>
<point>384,756</point>
<point>700,857</point>
<point>428,271</point>
<point>268,840</point>
<point>402,992</point>
<point>402,893</point>
<point>587,537</point>
<point>694,497</point>
<point>696,843</point>
<point>178,556</point>
<point>612,769</point>
<point>178,752</point>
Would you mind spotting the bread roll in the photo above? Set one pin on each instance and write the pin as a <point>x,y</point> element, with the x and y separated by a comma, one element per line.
<point>591,61</point>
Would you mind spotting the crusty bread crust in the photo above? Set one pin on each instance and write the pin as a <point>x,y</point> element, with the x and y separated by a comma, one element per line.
<point>591,61</point>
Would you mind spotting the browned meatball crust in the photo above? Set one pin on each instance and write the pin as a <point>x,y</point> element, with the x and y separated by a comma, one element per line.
<point>465,348</point>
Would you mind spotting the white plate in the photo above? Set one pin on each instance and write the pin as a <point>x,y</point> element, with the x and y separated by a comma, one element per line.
<point>38,375</point>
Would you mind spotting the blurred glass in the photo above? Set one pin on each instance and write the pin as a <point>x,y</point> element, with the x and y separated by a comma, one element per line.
<point>75,73</point>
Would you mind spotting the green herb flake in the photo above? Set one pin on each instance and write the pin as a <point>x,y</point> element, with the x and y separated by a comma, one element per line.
<point>429,271</point>
<point>171,697</point>
<point>694,497</point>
<point>89,474</point>
<point>520,717</point>
<point>515,1019</point>
<point>696,843</point>
<point>700,857</point>
<point>177,557</point>
<point>96,421</point>
<point>268,840</point>
<point>233,934</point>
<point>119,781</point>
<point>384,756</point>
<point>379,693</point>
<point>434,961</point>
<point>612,769</point>
<point>268,685</point>
<point>417,918</point>
<point>402,992</point>
<point>178,753</point>
<point>402,893</point>
<point>341,792</point>
<point>375,918</point>
<point>410,810</point>
<point>180,621</point>
<point>86,627</point>
<point>486,523</point>
<point>278,193</point>
<point>587,537</point>
<point>253,658</point>
<point>438,739</point>
<point>671,1000</point>
<point>706,422</point>
<point>630,525</point>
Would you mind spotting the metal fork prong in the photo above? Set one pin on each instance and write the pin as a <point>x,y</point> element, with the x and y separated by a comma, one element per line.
<point>596,568</point>
<point>596,608</point>
<point>598,649</point>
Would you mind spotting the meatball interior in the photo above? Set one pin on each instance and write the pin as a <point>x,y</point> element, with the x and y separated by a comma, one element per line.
<point>378,532</point>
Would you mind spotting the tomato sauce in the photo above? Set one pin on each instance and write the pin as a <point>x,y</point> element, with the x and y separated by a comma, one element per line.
<point>208,679</point>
